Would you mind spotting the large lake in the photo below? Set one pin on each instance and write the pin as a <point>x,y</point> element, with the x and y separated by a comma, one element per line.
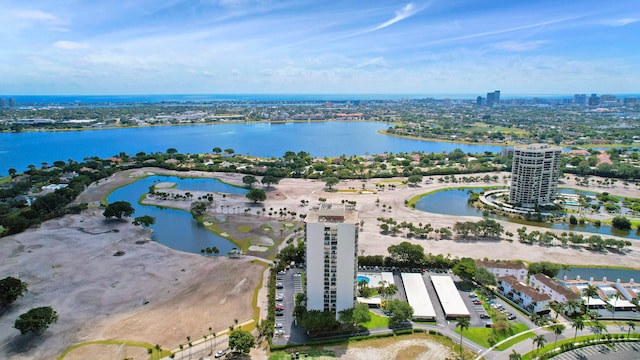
<point>19,150</point>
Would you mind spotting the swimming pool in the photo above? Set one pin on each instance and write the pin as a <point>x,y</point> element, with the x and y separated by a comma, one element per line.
<point>363,278</point>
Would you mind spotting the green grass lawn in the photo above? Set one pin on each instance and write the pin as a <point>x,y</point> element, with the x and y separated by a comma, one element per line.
<point>515,340</point>
<point>377,321</point>
<point>481,335</point>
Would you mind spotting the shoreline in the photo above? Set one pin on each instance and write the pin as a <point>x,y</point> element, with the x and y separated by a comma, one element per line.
<point>290,191</point>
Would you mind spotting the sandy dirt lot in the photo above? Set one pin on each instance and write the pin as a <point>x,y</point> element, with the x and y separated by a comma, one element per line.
<point>151,293</point>
<point>158,295</point>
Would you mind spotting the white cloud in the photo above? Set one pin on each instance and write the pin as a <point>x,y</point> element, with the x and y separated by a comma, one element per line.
<point>407,11</point>
<point>69,45</point>
<point>374,62</point>
<point>517,46</point>
<point>622,22</point>
<point>38,15</point>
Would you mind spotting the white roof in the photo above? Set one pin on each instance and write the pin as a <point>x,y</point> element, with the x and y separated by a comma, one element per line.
<point>449,296</point>
<point>593,301</point>
<point>388,277</point>
<point>621,303</point>
<point>418,296</point>
<point>369,301</point>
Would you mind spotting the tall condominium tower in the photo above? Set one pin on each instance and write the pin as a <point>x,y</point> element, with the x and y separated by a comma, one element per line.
<point>331,257</point>
<point>534,176</point>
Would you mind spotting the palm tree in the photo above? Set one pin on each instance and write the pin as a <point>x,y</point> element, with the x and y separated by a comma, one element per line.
<point>590,291</point>
<point>212,341</point>
<point>598,328</point>
<point>574,306</point>
<point>578,324</point>
<point>463,324</point>
<point>557,307</point>
<point>632,325</point>
<point>514,355</point>
<point>539,342</point>
<point>557,329</point>
<point>181,352</point>
<point>159,350</point>
<point>190,345</point>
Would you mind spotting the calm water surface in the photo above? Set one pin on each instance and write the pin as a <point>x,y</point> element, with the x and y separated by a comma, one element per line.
<point>176,228</point>
<point>19,150</point>
<point>599,273</point>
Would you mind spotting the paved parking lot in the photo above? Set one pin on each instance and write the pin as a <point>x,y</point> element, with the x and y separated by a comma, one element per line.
<point>292,285</point>
<point>622,351</point>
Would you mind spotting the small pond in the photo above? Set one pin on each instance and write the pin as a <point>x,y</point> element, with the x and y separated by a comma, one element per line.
<point>176,228</point>
<point>454,202</point>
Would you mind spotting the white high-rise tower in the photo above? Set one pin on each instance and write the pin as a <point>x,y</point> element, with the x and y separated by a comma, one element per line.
<point>534,175</point>
<point>331,257</point>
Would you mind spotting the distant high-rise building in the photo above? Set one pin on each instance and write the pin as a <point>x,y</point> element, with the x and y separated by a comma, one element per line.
<point>594,100</point>
<point>3,103</point>
<point>580,99</point>
<point>534,175</point>
<point>493,98</point>
<point>12,103</point>
<point>479,101</point>
<point>490,99</point>
<point>331,257</point>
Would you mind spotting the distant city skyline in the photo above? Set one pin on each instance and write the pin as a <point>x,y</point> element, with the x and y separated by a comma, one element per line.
<point>312,47</point>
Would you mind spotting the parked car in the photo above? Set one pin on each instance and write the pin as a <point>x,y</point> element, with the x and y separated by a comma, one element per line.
<point>279,313</point>
<point>279,307</point>
<point>511,317</point>
<point>279,325</point>
<point>279,332</point>
<point>476,302</point>
<point>220,354</point>
<point>279,285</point>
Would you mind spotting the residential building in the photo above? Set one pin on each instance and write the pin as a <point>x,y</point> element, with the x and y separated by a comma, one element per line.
<point>524,296</point>
<point>331,257</point>
<point>500,269</point>
<point>3,103</point>
<point>534,175</point>
<point>13,103</point>
<point>556,291</point>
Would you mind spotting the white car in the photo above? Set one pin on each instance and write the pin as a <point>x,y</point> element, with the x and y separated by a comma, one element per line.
<point>279,325</point>
<point>279,332</point>
<point>220,354</point>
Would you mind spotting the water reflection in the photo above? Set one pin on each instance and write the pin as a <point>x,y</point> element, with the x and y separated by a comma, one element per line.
<point>176,228</point>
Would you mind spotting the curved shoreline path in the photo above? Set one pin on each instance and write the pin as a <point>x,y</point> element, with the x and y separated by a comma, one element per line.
<point>524,346</point>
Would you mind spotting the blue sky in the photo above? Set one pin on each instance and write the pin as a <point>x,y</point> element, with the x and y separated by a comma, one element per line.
<point>262,46</point>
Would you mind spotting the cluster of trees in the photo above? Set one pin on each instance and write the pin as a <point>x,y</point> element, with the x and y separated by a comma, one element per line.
<point>421,230</point>
<point>482,228</point>
<point>35,320</point>
<point>467,270</point>
<point>593,242</point>
<point>408,255</point>
<point>15,213</point>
